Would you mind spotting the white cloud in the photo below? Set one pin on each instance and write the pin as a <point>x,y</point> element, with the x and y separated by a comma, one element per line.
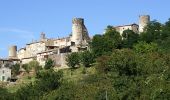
<point>24,34</point>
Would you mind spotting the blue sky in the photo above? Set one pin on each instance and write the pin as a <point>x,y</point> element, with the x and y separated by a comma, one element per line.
<point>21,21</point>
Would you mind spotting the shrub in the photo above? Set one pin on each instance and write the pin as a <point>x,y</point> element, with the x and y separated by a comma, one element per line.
<point>73,59</point>
<point>87,58</point>
<point>49,63</point>
<point>15,69</point>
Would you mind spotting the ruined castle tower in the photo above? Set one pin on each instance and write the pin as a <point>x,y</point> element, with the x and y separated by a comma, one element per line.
<point>143,21</point>
<point>12,52</point>
<point>79,31</point>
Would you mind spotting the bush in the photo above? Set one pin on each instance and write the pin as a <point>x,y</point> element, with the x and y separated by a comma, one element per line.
<point>49,63</point>
<point>15,69</point>
<point>143,47</point>
<point>87,58</point>
<point>26,68</point>
<point>73,59</point>
<point>47,80</point>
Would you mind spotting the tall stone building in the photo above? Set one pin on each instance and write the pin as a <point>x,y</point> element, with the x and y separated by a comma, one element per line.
<point>79,31</point>
<point>143,21</point>
<point>13,52</point>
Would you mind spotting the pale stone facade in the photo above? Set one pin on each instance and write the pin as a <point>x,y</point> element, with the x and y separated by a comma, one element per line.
<point>5,69</point>
<point>27,60</point>
<point>133,27</point>
<point>47,48</point>
<point>5,74</point>
<point>143,22</point>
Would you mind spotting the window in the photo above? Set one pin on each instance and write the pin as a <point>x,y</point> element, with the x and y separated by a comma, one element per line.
<point>72,43</point>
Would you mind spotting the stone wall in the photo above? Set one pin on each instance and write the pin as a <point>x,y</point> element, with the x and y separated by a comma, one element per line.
<point>59,60</point>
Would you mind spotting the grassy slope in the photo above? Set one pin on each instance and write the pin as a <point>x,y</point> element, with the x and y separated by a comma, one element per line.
<point>77,74</point>
<point>68,74</point>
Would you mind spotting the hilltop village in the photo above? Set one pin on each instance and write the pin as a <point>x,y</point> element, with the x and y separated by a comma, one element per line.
<point>57,48</point>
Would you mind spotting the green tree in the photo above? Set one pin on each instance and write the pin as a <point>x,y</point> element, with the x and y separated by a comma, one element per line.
<point>49,63</point>
<point>165,30</point>
<point>26,68</point>
<point>164,44</point>
<point>102,64</point>
<point>47,80</point>
<point>73,59</point>
<point>143,47</point>
<point>129,38</point>
<point>112,39</point>
<point>87,58</point>
<point>15,69</point>
<point>34,65</point>
<point>123,62</point>
<point>152,32</point>
<point>102,44</point>
<point>97,45</point>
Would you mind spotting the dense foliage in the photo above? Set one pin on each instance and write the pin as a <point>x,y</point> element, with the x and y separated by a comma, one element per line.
<point>73,59</point>
<point>15,69</point>
<point>47,80</point>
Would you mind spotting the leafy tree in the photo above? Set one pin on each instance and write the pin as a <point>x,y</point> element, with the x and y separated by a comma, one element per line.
<point>26,68</point>
<point>152,32</point>
<point>129,38</point>
<point>73,59</point>
<point>97,45</point>
<point>165,30</point>
<point>123,62</point>
<point>102,64</point>
<point>34,65</point>
<point>112,39</point>
<point>15,69</point>
<point>49,63</point>
<point>143,47</point>
<point>164,44</point>
<point>48,80</point>
<point>87,58</point>
<point>102,44</point>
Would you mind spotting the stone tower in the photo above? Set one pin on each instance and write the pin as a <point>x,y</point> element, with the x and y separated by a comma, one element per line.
<point>79,31</point>
<point>13,52</point>
<point>143,21</point>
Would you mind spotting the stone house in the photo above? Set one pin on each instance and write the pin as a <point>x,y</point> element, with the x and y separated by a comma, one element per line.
<point>5,74</point>
<point>5,70</point>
